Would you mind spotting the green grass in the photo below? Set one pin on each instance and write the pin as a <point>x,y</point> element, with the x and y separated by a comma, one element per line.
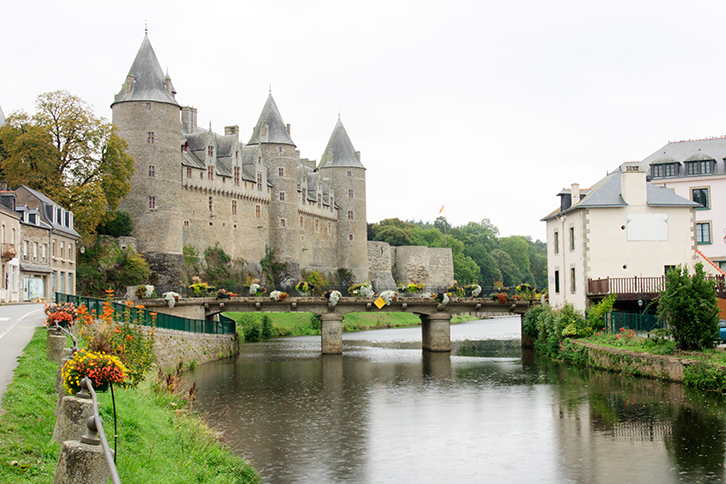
<point>159,442</point>
<point>298,324</point>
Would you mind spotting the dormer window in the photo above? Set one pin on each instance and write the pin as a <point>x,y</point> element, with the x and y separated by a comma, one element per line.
<point>31,219</point>
<point>210,150</point>
<point>664,170</point>
<point>695,168</point>
<point>185,147</point>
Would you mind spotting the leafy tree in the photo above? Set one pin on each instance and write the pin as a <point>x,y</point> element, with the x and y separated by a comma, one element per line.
<point>465,269</point>
<point>395,236</point>
<point>118,226</point>
<point>510,272</point>
<point>690,307</point>
<point>518,249</point>
<point>105,264</point>
<point>66,152</point>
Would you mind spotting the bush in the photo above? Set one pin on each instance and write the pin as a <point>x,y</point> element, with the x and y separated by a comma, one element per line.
<point>267,329</point>
<point>596,314</point>
<point>553,326</point>
<point>118,224</point>
<point>689,306</point>
<point>529,322</point>
<point>705,377</point>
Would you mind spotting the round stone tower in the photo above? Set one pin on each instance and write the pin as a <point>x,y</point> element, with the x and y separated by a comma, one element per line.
<point>341,163</point>
<point>147,116</point>
<point>280,158</point>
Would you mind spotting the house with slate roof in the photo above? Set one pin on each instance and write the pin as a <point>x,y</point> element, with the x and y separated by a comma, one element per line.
<point>622,228</point>
<point>194,187</point>
<point>695,169</point>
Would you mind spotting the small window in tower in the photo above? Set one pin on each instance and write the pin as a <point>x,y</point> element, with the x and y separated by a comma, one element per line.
<point>210,150</point>
<point>350,214</point>
<point>189,172</point>
<point>283,223</point>
<point>282,196</point>
<point>279,149</point>
<point>350,236</point>
<point>236,154</point>
<point>210,173</point>
<point>186,223</point>
<point>210,204</point>
<point>348,173</point>
<point>350,193</point>
<point>236,176</point>
<point>150,137</point>
<point>259,181</point>
<point>152,203</point>
<point>259,160</point>
<point>148,106</point>
<point>281,172</point>
<point>258,211</point>
<point>224,179</point>
<point>152,171</point>
<point>201,175</point>
<point>234,207</point>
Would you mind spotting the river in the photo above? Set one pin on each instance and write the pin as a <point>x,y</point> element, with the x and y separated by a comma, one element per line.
<point>386,412</point>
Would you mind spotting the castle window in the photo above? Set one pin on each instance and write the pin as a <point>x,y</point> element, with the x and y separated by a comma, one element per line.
<point>210,150</point>
<point>224,179</point>
<point>282,196</point>
<point>234,207</point>
<point>210,204</point>
<point>259,160</point>
<point>301,222</point>
<point>279,149</point>
<point>348,173</point>
<point>152,171</point>
<point>185,147</point>
<point>148,106</point>
<point>258,211</point>
<point>283,223</point>
<point>201,175</point>
<point>236,176</point>
<point>189,172</point>
<point>210,173</point>
<point>150,137</point>
<point>350,214</point>
<point>152,203</point>
<point>320,200</point>
<point>350,236</point>
<point>259,181</point>
<point>186,223</point>
<point>236,154</point>
<point>350,193</point>
<point>281,171</point>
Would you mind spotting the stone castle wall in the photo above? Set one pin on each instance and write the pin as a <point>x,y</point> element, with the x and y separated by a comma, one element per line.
<point>388,265</point>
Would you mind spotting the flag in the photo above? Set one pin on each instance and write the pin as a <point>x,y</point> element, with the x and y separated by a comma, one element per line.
<point>442,208</point>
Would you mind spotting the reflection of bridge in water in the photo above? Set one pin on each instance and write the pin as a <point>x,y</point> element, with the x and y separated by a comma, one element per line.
<point>435,317</point>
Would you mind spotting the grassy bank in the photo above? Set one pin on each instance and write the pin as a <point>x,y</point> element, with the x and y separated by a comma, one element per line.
<point>302,324</point>
<point>159,440</point>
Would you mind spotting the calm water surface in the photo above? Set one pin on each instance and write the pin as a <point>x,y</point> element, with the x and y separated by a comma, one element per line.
<point>386,412</point>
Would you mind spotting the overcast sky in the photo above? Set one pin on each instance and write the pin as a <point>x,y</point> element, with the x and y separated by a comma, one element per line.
<point>488,107</point>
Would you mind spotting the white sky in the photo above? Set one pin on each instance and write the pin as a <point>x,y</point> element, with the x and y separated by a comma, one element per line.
<point>490,107</point>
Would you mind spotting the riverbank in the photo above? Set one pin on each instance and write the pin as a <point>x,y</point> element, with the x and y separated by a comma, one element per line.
<point>160,439</point>
<point>305,324</point>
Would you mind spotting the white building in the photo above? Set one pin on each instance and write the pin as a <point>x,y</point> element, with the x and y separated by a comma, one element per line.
<point>623,231</point>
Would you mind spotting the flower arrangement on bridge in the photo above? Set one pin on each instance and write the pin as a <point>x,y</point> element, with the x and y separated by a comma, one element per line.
<point>144,292</point>
<point>66,314</point>
<point>362,290</point>
<point>455,290</point>
<point>200,288</point>
<point>225,294</point>
<point>389,296</point>
<point>278,295</point>
<point>411,288</point>
<point>171,298</point>
<point>474,289</point>
<point>443,298</point>
<point>102,369</point>
<point>526,291</point>
<point>257,290</point>
<point>304,287</point>
<point>333,297</point>
<point>502,297</point>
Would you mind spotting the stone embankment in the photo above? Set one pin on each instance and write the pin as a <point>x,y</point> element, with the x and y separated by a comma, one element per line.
<point>190,349</point>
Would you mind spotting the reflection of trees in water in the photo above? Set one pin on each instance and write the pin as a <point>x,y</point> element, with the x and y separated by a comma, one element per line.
<point>698,443</point>
<point>488,348</point>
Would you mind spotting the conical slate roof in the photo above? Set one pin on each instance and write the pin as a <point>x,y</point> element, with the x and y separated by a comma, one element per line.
<point>149,81</point>
<point>340,151</point>
<point>270,128</point>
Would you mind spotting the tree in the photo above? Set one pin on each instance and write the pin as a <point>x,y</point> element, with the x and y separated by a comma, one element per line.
<point>690,307</point>
<point>510,272</point>
<point>66,152</point>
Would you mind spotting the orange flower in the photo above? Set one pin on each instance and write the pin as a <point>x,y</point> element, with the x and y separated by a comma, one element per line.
<point>129,337</point>
<point>140,306</point>
<point>129,303</point>
<point>117,330</point>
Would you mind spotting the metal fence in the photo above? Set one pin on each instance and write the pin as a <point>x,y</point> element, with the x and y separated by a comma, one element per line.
<point>638,322</point>
<point>121,311</point>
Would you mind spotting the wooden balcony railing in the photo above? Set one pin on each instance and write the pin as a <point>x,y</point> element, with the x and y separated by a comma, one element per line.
<point>8,251</point>
<point>640,285</point>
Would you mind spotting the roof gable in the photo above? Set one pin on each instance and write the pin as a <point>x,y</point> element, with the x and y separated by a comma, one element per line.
<point>270,127</point>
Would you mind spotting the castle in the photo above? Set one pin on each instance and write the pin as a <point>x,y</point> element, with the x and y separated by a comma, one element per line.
<point>194,187</point>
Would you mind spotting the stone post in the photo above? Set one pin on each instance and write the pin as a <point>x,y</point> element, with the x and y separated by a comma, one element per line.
<point>54,346</point>
<point>436,332</point>
<point>81,464</point>
<point>72,417</point>
<point>331,333</point>
<point>437,366</point>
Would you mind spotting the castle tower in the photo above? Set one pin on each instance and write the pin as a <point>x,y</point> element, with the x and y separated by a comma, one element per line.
<point>147,116</point>
<point>342,163</point>
<point>280,158</point>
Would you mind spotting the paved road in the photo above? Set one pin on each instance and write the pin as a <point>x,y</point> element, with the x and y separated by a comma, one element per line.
<point>17,325</point>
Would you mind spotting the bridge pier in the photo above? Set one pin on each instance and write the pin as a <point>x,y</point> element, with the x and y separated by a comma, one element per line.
<point>331,333</point>
<point>436,332</point>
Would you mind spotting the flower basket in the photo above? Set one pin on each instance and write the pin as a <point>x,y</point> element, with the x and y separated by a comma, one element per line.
<point>101,368</point>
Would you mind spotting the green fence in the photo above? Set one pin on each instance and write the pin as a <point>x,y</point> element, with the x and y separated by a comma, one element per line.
<point>640,323</point>
<point>225,325</point>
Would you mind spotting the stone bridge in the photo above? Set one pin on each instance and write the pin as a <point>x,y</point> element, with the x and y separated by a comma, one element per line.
<point>435,317</point>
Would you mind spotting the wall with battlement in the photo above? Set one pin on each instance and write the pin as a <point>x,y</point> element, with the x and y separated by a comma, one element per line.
<point>387,265</point>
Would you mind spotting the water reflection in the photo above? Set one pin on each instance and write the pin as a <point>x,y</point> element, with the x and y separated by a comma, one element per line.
<point>385,411</point>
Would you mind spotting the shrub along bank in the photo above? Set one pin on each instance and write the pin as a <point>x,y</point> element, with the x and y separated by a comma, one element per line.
<point>160,438</point>
<point>256,326</point>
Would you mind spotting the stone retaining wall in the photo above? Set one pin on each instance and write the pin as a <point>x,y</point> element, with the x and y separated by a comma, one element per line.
<point>172,347</point>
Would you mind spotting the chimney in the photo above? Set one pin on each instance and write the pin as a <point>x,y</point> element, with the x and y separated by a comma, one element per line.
<point>633,186</point>
<point>189,119</point>
<point>288,129</point>
<point>232,131</point>
<point>575,192</point>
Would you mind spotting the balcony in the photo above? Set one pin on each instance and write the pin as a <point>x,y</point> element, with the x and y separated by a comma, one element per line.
<point>633,288</point>
<point>8,251</point>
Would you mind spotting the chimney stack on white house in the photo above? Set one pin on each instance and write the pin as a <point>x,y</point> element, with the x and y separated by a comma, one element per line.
<point>633,185</point>
<point>575,193</point>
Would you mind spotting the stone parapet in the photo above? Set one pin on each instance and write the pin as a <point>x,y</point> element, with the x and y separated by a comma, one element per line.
<point>173,347</point>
